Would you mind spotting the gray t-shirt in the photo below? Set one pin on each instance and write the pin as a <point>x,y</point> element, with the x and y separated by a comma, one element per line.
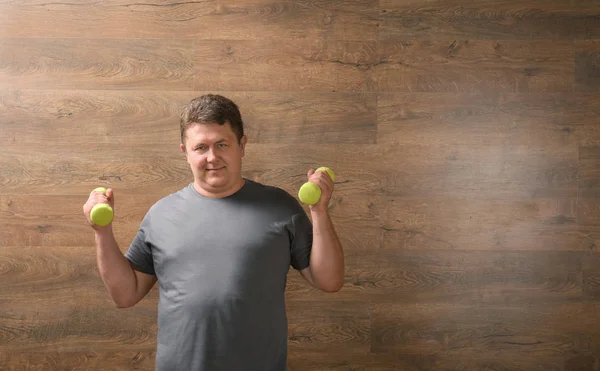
<point>221,265</point>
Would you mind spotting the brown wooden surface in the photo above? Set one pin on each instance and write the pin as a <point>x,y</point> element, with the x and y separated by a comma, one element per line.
<point>465,137</point>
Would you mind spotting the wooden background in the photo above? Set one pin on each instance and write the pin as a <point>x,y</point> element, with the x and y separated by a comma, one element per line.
<point>465,136</point>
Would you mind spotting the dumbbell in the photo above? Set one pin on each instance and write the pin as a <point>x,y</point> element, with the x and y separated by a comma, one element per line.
<point>101,214</point>
<point>310,193</point>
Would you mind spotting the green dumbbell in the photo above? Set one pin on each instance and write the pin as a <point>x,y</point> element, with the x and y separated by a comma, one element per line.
<point>101,214</point>
<point>310,193</point>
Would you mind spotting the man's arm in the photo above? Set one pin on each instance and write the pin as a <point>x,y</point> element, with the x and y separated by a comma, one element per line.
<point>326,268</point>
<point>125,285</point>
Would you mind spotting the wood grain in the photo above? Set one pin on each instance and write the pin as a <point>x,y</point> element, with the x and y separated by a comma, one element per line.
<point>58,220</point>
<point>340,326</point>
<point>468,360</point>
<point>518,278</point>
<point>489,119</point>
<point>343,361</point>
<point>54,278</point>
<point>96,64</point>
<point>588,205</point>
<point>477,66</point>
<point>54,295</point>
<point>299,65</point>
<point>489,19</point>
<point>591,275</point>
<point>450,328</point>
<point>247,19</point>
<point>589,172</point>
<point>464,137</point>
<point>499,172</point>
<point>519,172</point>
<point>149,117</point>
<point>587,66</point>
<point>468,223</point>
<point>79,360</point>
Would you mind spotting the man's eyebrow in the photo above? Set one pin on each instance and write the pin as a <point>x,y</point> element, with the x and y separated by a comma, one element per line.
<point>218,141</point>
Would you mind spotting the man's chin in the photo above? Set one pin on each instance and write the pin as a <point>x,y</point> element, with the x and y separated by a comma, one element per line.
<point>216,181</point>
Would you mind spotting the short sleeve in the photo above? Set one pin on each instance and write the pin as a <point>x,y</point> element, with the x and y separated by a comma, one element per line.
<point>140,251</point>
<point>302,239</point>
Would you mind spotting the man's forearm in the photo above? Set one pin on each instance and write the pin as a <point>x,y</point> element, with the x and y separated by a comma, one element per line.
<point>327,256</point>
<point>115,270</point>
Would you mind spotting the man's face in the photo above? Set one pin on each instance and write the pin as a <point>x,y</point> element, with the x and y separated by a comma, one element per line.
<point>215,157</point>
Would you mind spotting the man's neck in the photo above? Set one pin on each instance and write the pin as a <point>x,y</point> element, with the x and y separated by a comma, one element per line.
<point>225,193</point>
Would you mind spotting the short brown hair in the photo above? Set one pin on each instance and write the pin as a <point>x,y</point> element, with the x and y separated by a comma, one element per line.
<point>211,108</point>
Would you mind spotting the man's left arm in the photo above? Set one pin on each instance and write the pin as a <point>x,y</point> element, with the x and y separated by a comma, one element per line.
<point>326,268</point>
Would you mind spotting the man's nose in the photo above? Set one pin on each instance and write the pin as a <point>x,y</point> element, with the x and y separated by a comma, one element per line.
<point>211,155</point>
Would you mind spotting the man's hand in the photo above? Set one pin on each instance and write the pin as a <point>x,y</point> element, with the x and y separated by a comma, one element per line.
<point>98,198</point>
<point>325,183</point>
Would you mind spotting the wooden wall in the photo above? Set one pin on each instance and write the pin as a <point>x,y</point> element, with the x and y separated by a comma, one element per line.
<point>465,136</point>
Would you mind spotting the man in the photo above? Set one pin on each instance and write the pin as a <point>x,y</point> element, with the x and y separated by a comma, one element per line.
<point>220,250</point>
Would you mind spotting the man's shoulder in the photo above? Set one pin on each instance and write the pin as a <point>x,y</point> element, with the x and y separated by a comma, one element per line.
<point>270,191</point>
<point>272,197</point>
<point>169,200</point>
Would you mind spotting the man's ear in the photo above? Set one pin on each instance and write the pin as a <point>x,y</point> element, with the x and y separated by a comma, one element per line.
<point>183,149</point>
<point>243,144</point>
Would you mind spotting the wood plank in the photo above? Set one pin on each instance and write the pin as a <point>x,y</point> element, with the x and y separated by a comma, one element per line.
<point>481,66</point>
<point>578,361</point>
<point>513,172</point>
<point>299,65</point>
<point>587,65</point>
<point>319,117</point>
<point>54,278</point>
<point>589,173</point>
<point>339,326</point>
<point>591,274</point>
<point>489,19</point>
<point>253,19</point>
<point>501,172</point>
<point>588,211</point>
<point>537,332</point>
<point>468,223</point>
<point>519,278</point>
<point>149,117</point>
<point>53,297</point>
<point>532,119</point>
<point>343,361</point>
<point>96,64</point>
<point>390,361</point>
<point>83,117</point>
<point>91,359</point>
<point>79,328</point>
<point>58,220</point>
<point>68,170</point>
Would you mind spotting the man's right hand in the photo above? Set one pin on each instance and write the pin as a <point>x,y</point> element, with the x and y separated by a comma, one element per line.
<point>95,198</point>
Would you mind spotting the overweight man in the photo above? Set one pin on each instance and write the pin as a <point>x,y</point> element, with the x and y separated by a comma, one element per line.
<point>220,249</point>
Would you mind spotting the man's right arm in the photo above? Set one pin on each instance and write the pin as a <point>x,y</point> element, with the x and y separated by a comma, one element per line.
<point>125,285</point>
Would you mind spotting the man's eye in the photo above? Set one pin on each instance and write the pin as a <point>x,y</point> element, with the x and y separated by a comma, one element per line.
<point>222,145</point>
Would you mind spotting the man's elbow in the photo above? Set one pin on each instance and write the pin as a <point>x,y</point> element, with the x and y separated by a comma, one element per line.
<point>124,304</point>
<point>332,287</point>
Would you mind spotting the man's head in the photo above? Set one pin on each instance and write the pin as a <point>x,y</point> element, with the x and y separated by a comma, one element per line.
<point>211,108</point>
<point>213,140</point>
